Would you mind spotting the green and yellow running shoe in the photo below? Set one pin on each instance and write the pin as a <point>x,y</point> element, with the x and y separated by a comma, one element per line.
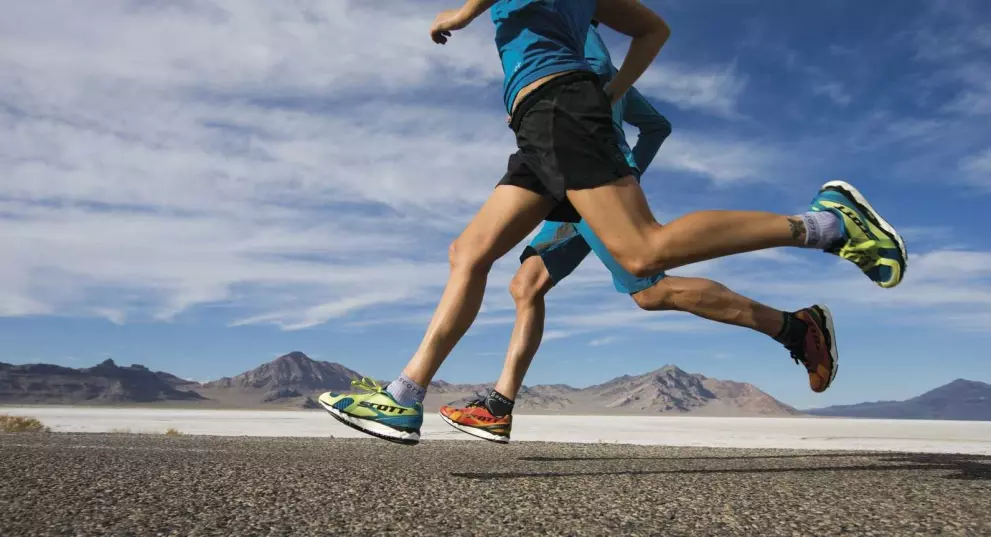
<point>868,241</point>
<point>375,412</point>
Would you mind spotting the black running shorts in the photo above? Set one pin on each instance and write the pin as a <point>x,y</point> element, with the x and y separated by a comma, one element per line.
<point>566,140</point>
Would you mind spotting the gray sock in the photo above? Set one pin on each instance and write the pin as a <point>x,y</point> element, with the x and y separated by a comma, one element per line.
<point>406,391</point>
<point>822,229</point>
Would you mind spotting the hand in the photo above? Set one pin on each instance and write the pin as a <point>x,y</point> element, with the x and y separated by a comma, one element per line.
<point>509,120</point>
<point>446,22</point>
<point>613,94</point>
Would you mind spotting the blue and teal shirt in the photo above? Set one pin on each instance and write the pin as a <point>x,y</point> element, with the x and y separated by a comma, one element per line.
<point>537,38</point>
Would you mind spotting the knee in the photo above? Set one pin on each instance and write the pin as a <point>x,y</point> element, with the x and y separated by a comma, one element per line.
<point>648,256</point>
<point>463,256</point>
<point>639,264</point>
<point>525,288</point>
<point>658,297</point>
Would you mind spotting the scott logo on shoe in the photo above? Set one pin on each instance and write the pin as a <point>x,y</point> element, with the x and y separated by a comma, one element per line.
<point>383,408</point>
<point>855,217</point>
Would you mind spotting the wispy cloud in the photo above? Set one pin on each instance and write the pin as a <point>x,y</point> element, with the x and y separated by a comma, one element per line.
<point>714,90</point>
<point>833,90</point>
<point>599,342</point>
<point>267,163</point>
<point>977,168</point>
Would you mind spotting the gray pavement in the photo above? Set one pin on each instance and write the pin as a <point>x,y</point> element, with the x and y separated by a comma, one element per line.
<point>62,484</point>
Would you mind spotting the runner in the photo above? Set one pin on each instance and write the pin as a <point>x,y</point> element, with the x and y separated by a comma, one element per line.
<point>560,247</point>
<point>569,168</point>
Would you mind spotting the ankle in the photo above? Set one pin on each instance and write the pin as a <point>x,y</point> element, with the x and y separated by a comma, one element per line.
<point>406,391</point>
<point>498,404</point>
<point>818,229</point>
<point>792,331</point>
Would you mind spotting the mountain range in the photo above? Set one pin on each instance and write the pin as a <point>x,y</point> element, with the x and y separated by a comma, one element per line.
<point>103,383</point>
<point>958,400</point>
<point>295,380</point>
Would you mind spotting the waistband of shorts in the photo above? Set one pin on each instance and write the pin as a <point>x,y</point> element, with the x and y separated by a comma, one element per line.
<point>536,95</point>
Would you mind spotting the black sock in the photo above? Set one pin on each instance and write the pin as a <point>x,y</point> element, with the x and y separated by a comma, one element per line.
<point>498,404</point>
<point>792,331</point>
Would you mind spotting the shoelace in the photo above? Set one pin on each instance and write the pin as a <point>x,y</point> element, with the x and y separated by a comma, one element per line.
<point>476,403</point>
<point>367,384</point>
<point>799,356</point>
<point>862,258</point>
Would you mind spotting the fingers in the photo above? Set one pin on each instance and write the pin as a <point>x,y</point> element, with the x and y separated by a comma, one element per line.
<point>440,36</point>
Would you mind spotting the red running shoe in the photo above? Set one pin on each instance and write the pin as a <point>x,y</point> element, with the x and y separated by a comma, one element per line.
<point>818,351</point>
<point>476,420</point>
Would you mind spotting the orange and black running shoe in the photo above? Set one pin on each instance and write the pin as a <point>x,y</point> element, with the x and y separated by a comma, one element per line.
<point>476,420</point>
<point>817,351</point>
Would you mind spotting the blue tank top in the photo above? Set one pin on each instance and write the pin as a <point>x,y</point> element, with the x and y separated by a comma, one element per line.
<point>537,38</point>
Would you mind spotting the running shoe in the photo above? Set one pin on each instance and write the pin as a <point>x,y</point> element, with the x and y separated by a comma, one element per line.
<point>375,412</point>
<point>476,420</point>
<point>868,241</point>
<point>817,352</point>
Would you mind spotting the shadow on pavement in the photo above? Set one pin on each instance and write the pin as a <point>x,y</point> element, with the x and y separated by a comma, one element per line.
<point>755,457</point>
<point>963,467</point>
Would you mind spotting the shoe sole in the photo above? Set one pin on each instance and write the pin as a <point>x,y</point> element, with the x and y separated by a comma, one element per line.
<point>828,316</point>
<point>875,218</point>
<point>477,433</point>
<point>375,429</point>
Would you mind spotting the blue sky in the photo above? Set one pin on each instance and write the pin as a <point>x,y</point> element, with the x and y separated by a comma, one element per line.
<point>200,186</point>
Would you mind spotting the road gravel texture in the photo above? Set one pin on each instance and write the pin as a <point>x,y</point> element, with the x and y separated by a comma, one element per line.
<point>88,484</point>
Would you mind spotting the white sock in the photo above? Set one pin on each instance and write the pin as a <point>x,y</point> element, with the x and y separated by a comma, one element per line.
<point>822,229</point>
<point>406,391</point>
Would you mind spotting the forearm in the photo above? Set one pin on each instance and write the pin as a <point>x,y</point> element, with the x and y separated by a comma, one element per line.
<point>648,144</point>
<point>654,128</point>
<point>473,8</point>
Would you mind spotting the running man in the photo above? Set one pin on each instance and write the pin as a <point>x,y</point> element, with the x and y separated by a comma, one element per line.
<point>569,168</point>
<point>560,247</point>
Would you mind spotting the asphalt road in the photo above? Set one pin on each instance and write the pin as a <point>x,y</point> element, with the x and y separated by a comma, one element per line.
<point>61,484</point>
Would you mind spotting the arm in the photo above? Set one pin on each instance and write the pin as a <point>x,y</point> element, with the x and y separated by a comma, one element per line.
<point>654,128</point>
<point>456,19</point>
<point>649,33</point>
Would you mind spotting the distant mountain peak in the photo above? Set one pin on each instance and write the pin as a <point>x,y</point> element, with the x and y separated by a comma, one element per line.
<point>671,368</point>
<point>288,376</point>
<point>295,356</point>
<point>961,399</point>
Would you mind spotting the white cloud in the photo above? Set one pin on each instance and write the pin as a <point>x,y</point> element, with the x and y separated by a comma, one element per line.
<point>551,335</point>
<point>145,174</point>
<point>712,90</point>
<point>598,342</point>
<point>834,90</point>
<point>273,158</point>
<point>724,161</point>
<point>977,168</point>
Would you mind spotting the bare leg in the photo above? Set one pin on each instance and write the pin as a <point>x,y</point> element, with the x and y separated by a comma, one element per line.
<point>506,218</point>
<point>710,300</point>
<point>705,298</point>
<point>618,213</point>
<point>529,286</point>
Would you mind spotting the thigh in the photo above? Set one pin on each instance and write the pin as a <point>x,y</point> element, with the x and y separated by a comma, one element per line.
<point>568,140</point>
<point>505,219</point>
<point>618,215</point>
<point>560,247</point>
<point>623,280</point>
<point>520,173</point>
